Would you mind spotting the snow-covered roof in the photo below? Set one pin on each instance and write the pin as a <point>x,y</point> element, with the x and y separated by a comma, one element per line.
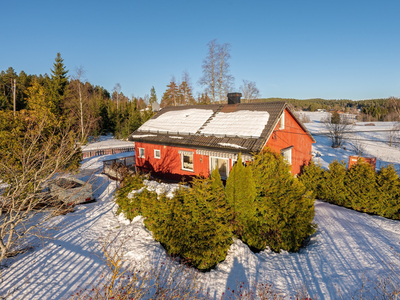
<point>184,121</point>
<point>242,123</point>
<point>107,144</point>
<point>243,126</point>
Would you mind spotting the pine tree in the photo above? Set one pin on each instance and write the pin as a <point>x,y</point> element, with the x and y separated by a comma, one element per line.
<point>240,194</point>
<point>170,97</point>
<point>58,84</point>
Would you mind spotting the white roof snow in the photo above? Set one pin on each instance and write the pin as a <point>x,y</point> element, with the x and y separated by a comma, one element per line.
<point>240,123</point>
<point>107,144</point>
<point>182,121</point>
<point>142,136</point>
<point>231,145</point>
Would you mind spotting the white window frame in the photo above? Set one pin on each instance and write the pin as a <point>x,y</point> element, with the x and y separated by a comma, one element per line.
<point>287,154</point>
<point>182,158</point>
<point>142,155</point>
<point>282,121</point>
<point>159,154</point>
<point>227,166</point>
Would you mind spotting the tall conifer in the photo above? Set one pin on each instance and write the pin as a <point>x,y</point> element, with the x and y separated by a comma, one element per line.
<point>240,194</point>
<point>58,84</point>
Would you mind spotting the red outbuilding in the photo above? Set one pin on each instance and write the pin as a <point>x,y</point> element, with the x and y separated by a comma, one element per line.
<point>185,141</point>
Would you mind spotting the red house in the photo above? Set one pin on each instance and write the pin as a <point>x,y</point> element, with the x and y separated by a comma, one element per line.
<point>185,141</point>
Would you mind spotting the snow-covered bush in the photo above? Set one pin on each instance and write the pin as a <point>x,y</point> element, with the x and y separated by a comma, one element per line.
<point>127,203</point>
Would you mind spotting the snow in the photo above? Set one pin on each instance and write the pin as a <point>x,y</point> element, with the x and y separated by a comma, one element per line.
<point>231,145</point>
<point>373,138</point>
<point>186,121</point>
<point>107,144</point>
<point>142,135</point>
<point>243,123</point>
<point>176,137</point>
<point>349,248</point>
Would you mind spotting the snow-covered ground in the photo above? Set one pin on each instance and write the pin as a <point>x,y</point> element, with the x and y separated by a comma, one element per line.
<point>349,248</point>
<point>374,139</point>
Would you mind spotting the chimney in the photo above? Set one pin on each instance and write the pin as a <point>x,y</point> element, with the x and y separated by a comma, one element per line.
<point>234,98</point>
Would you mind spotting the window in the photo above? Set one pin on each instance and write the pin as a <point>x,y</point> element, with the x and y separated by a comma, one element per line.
<point>287,154</point>
<point>282,121</point>
<point>221,164</point>
<point>187,161</point>
<point>141,152</point>
<point>157,153</point>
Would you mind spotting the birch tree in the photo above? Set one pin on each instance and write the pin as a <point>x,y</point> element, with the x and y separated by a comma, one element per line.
<point>249,90</point>
<point>216,77</point>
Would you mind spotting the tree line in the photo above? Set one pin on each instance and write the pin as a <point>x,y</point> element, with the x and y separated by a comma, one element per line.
<point>94,109</point>
<point>387,109</point>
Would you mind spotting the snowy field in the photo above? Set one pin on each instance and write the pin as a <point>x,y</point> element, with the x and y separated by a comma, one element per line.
<point>374,139</point>
<point>349,248</point>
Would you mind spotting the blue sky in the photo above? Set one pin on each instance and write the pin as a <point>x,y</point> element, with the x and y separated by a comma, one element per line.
<point>291,49</point>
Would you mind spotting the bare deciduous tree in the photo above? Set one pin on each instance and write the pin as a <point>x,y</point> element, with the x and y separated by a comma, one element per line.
<point>394,105</point>
<point>216,77</point>
<point>117,89</point>
<point>338,126</point>
<point>249,90</point>
<point>224,78</point>
<point>393,135</point>
<point>44,149</point>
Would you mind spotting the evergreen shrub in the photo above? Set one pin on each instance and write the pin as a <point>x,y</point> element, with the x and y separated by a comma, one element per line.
<point>312,176</point>
<point>388,204</point>
<point>195,223</point>
<point>333,188</point>
<point>240,194</point>
<point>284,209</point>
<point>129,207</point>
<point>359,188</point>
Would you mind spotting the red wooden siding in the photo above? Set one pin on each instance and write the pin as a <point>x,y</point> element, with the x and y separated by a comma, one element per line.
<point>292,135</point>
<point>169,164</point>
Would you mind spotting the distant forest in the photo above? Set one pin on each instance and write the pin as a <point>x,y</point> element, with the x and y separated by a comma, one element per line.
<point>368,110</point>
<point>91,107</point>
<point>97,111</point>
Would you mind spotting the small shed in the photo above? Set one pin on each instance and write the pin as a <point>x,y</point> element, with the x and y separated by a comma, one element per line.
<point>369,160</point>
<point>107,147</point>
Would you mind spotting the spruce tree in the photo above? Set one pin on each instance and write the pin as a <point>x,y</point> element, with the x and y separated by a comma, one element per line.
<point>58,84</point>
<point>240,194</point>
<point>153,96</point>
